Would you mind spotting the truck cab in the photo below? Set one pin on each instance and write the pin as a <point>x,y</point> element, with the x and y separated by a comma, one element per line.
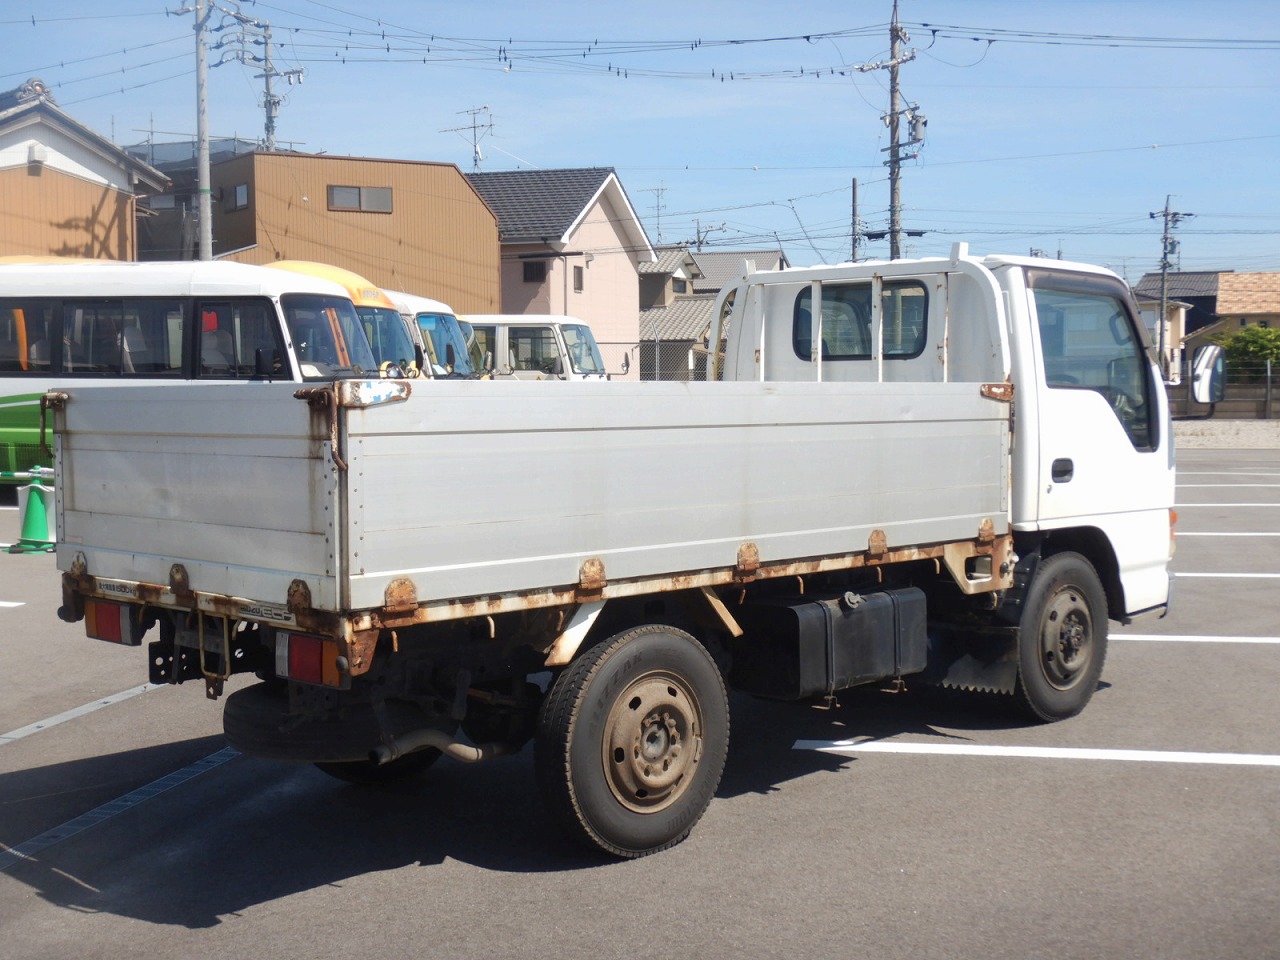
<point>1091,438</point>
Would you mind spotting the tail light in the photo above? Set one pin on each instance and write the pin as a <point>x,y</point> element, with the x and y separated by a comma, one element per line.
<point>113,622</point>
<point>308,659</point>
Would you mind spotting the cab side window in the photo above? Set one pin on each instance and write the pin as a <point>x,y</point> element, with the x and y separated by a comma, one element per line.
<point>1088,342</point>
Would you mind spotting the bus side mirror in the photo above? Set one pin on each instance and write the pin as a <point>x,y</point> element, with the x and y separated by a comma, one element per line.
<point>262,365</point>
<point>557,367</point>
<point>1208,375</point>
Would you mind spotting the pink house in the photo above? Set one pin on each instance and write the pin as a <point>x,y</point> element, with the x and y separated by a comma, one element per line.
<point>571,245</point>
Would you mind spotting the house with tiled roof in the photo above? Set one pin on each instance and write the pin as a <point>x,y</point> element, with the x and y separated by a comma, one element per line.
<point>719,268</point>
<point>572,245</point>
<point>68,191</point>
<point>678,293</point>
<point>1203,304</point>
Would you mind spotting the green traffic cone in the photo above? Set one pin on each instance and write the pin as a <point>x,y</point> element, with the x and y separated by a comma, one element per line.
<point>36,536</point>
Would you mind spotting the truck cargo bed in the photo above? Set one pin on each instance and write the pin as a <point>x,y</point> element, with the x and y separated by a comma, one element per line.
<point>471,490</point>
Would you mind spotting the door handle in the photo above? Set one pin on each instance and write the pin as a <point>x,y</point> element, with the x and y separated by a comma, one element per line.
<point>1063,470</point>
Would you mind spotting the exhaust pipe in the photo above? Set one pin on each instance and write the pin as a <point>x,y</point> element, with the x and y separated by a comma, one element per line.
<point>446,744</point>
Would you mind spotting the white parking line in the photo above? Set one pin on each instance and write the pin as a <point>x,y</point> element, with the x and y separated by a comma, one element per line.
<point>26,850</point>
<point>1229,576</point>
<point>1187,639</point>
<point>851,748</point>
<point>1224,486</point>
<point>7,604</point>
<point>1223,473</point>
<point>1182,506</point>
<point>74,712</point>
<point>1182,534</point>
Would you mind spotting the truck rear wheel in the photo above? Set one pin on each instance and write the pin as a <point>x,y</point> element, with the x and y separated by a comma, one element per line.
<point>1062,638</point>
<point>632,740</point>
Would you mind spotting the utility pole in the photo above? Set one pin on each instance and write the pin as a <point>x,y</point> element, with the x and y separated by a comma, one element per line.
<point>853,218</point>
<point>271,101</point>
<point>895,159</point>
<point>700,235</point>
<point>252,32</point>
<point>1169,248</point>
<point>892,119</point>
<point>204,193</point>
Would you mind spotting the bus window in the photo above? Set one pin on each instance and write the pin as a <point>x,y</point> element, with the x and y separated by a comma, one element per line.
<point>317,323</point>
<point>533,348</point>
<point>117,338</point>
<point>239,339</point>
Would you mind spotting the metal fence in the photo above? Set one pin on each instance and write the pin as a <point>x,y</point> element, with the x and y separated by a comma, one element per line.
<point>1252,392</point>
<point>679,360</point>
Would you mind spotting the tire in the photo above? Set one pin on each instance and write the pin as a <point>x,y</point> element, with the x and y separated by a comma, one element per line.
<point>632,740</point>
<point>1062,638</point>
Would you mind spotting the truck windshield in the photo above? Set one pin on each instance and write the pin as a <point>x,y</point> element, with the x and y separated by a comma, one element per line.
<point>442,331</point>
<point>327,336</point>
<point>584,354</point>
<point>388,336</point>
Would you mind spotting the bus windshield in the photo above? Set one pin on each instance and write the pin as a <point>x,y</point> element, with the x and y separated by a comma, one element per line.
<point>388,336</point>
<point>474,352</point>
<point>327,335</point>
<point>443,332</point>
<point>584,354</point>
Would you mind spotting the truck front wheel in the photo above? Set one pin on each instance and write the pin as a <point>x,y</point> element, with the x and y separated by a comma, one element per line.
<point>632,739</point>
<point>1062,638</point>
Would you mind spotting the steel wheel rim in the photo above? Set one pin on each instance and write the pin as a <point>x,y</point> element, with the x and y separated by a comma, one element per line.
<point>651,743</point>
<point>1066,638</point>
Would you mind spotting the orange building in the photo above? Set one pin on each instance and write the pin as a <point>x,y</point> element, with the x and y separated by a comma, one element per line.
<point>404,225</point>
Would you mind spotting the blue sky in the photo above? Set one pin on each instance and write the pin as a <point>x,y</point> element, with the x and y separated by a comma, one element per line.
<point>1059,126</point>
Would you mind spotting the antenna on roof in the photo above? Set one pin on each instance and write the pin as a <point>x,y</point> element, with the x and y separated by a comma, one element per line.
<point>478,132</point>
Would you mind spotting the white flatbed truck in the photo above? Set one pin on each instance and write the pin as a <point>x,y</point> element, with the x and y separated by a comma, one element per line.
<point>957,470</point>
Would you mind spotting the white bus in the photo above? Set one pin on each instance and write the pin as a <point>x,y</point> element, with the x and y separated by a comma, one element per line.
<point>439,333</point>
<point>107,322</point>
<point>537,347</point>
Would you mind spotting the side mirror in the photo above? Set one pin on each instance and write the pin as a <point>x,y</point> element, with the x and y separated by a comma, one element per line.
<point>1208,375</point>
<point>557,367</point>
<point>450,358</point>
<point>626,363</point>
<point>262,364</point>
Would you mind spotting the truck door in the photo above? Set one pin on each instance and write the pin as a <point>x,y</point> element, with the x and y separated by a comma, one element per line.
<point>1104,459</point>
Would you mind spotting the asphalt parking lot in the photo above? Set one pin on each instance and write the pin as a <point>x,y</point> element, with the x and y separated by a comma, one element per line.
<point>913,826</point>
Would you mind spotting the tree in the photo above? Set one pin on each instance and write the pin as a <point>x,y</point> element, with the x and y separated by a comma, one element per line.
<point>1248,350</point>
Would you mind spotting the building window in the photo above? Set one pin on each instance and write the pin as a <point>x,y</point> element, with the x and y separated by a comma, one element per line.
<point>239,197</point>
<point>364,199</point>
<point>535,271</point>
<point>679,286</point>
<point>579,278</point>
